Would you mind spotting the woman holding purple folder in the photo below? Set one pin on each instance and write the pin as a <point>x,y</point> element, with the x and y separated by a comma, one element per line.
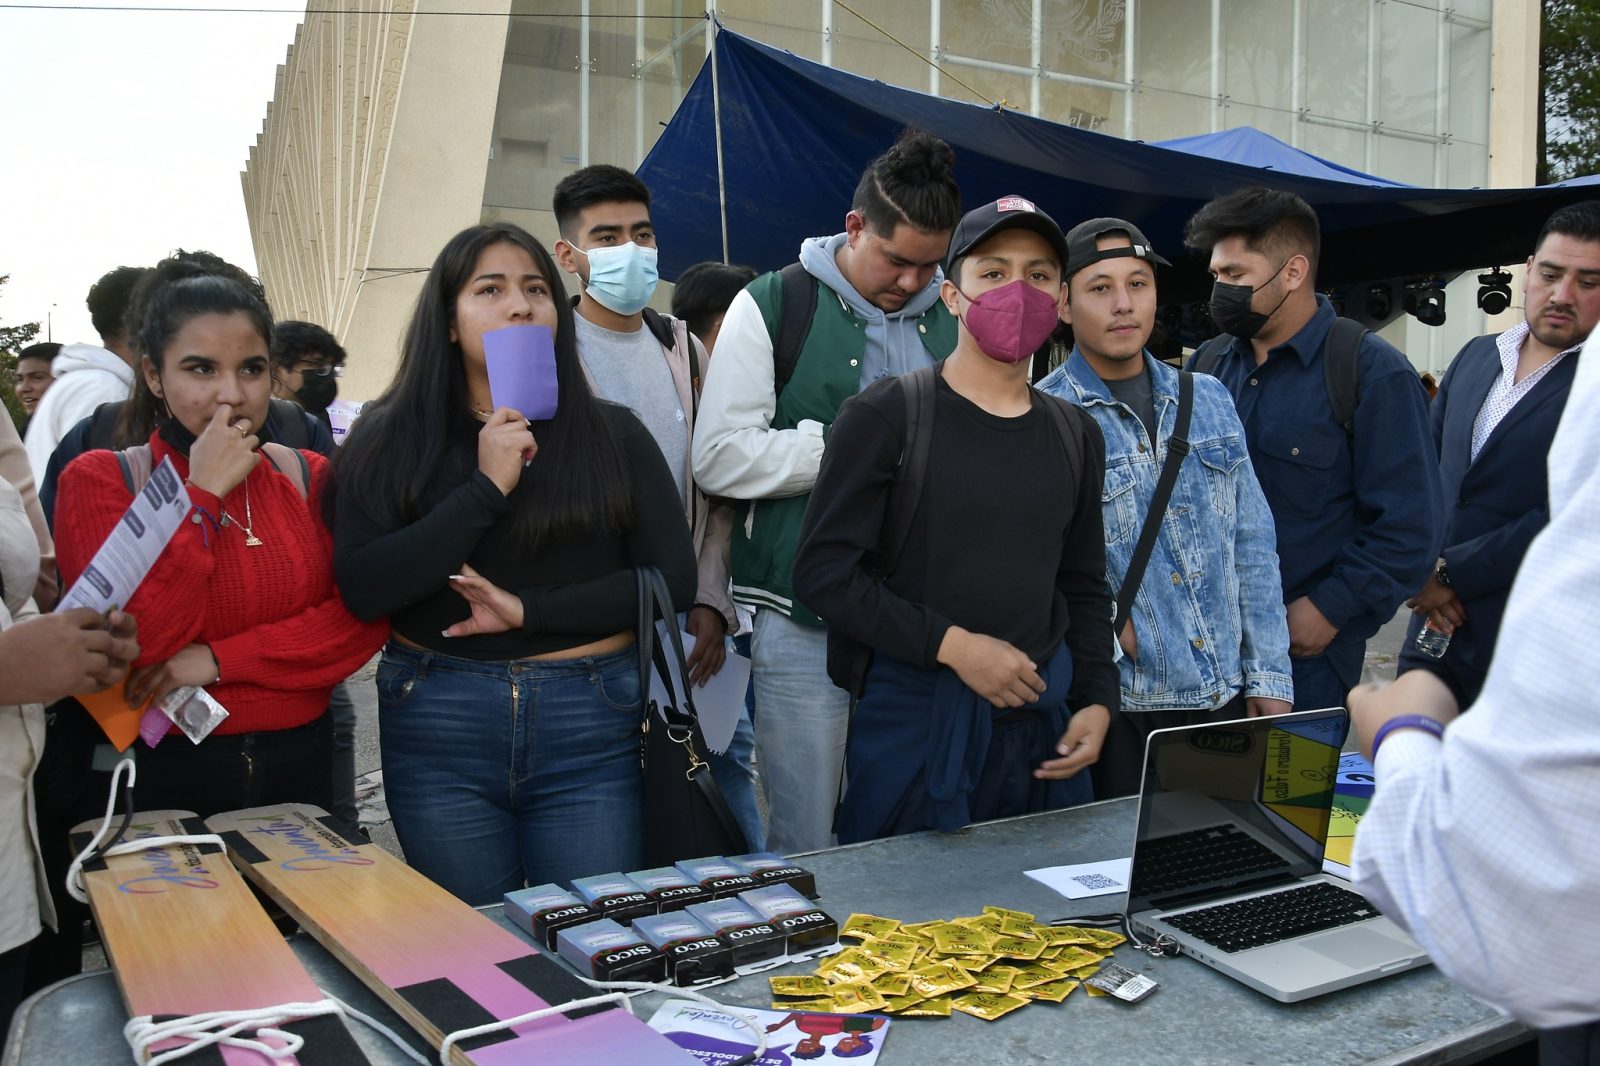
<point>504,551</point>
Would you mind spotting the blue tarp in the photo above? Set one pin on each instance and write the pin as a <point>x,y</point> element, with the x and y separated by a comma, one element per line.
<point>1249,147</point>
<point>797,134</point>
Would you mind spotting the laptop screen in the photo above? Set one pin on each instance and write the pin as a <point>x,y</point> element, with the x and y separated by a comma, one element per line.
<point>1234,806</point>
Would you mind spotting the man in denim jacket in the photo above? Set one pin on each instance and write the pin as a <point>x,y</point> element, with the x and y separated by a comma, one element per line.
<point>1207,639</point>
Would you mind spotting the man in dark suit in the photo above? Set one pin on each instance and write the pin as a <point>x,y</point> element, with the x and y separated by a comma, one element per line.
<point>1493,421</point>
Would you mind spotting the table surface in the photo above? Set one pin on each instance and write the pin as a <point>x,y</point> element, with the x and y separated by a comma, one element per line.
<point>1196,1015</point>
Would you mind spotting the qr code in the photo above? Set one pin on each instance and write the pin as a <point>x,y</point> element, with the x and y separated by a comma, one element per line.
<point>1096,881</point>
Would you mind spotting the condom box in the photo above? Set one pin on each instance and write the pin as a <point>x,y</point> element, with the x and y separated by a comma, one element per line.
<point>694,953</point>
<point>769,868</point>
<point>614,896</point>
<point>752,937</point>
<point>608,952</point>
<point>805,928</point>
<point>717,876</point>
<point>669,888</point>
<point>545,910</point>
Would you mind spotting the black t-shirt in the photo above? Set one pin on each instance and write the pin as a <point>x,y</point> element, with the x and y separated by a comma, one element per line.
<point>1136,393</point>
<point>574,589</point>
<point>1006,541</point>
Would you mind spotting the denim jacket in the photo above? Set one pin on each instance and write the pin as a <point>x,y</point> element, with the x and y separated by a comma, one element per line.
<point>1209,614</point>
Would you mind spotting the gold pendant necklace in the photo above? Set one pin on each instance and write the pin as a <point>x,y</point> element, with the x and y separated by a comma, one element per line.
<point>250,538</point>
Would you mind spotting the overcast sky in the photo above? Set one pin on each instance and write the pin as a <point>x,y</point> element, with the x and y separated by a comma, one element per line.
<point>122,136</point>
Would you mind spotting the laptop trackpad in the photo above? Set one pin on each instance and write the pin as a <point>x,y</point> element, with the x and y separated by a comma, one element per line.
<point>1359,949</point>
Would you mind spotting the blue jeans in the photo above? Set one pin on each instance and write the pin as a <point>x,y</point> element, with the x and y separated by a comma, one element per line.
<point>506,774</point>
<point>804,720</point>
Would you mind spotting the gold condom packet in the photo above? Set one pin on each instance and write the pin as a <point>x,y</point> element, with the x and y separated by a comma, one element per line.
<point>856,997</point>
<point>867,927</point>
<point>962,941</point>
<point>996,979</point>
<point>899,936</point>
<point>1094,992</point>
<point>992,924</point>
<point>940,978</point>
<point>1072,957</point>
<point>896,1004</point>
<point>1067,934</point>
<point>1051,991</point>
<point>920,930</point>
<point>892,955</point>
<point>1034,974</point>
<point>937,1007</point>
<point>988,1005</point>
<point>1006,913</point>
<point>1017,948</point>
<point>893,984</point>
<point>823,1005</point>
<point>1105,939</point>
<point>1018,927</point>
<point>803,985</point>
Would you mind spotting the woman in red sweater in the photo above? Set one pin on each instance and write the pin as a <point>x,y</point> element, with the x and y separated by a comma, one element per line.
<point>242,600</point>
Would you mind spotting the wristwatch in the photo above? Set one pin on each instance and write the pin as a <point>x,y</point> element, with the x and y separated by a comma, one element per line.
<point>1441,574</point>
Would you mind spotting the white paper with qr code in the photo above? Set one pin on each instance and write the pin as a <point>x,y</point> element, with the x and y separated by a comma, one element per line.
<point>1086,878</point>
<point>133,547</point>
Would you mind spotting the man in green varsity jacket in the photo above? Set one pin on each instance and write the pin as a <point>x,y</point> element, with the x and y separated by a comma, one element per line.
<point>762,429</point>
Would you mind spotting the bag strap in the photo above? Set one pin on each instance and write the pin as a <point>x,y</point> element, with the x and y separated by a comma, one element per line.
<point>288,423</point>
<point>136,464</point>
<point>1177,448</point>
<point>795,312</point>
<point>1209,354</point>
<point>1340,354</point>
<point>1062,414</point>
<point>905,492</point>
<point>291,463</point>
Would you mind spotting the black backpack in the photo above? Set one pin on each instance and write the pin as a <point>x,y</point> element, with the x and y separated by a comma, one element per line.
<point>848,658</point>
<point>1339,370</point>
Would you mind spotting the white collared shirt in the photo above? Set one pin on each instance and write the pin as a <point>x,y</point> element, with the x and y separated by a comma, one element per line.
<point>1486,845</point>
<point>1507,390</point>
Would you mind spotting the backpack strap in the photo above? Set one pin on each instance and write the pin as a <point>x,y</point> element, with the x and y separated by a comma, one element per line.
<point>1062,415</point>
<point>1177,449</point>
<point>1209,354</point>
<point>660,327</point>
<point>292,464</point>
<point>918,389</point>
<point>288,423</point>
<point>1340,355</point>
<point>136,465</point>
<point>795,312</point>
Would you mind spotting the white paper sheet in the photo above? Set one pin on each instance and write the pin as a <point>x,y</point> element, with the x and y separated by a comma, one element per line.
<point>719,703</point>
<point>133,546</point>
<point>1086,878</point>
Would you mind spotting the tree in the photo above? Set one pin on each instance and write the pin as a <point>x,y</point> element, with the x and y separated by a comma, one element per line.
<point>1569,105</point>
<point>12,340</point>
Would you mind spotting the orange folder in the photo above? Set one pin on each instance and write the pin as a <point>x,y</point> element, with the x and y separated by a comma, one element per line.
<point>116,715</point>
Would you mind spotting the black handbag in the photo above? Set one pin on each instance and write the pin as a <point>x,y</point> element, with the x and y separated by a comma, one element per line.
<point>685,815</point>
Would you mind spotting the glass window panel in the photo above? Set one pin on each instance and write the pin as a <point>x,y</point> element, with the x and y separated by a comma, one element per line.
<point>995,85</point>
<point>1160,116</point>
<point>1173,47</point>
<point>862,50</point>
<point>793,25</point>
<point>1408,67</point>
<point>1274,120</point>
<point>1342,146</point>
<point>536,132</point>
<point>1401,159</point>
<point>1336,58</point>
<point>1081,106</point>
<point>1084,37</point>
<point>999,30</point>
<point>1466,165</point>
<point>1258,53</point>
<point>1469,83</point>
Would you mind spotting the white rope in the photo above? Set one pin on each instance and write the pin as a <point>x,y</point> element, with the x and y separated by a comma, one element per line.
<point>618,995</point>
<point>224,1026</point>
<point>123,768</point>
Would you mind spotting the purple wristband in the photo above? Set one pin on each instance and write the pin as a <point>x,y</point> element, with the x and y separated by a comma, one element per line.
<point>1406,721</point>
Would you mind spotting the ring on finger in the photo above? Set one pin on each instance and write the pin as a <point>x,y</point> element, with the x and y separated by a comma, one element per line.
<point>240,426</point>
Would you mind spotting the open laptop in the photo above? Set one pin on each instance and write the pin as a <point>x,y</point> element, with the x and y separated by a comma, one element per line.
<point>1227,860</point>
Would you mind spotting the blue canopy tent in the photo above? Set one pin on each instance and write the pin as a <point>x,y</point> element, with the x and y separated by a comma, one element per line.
<point>1249,147</point>
<point>795,136</point>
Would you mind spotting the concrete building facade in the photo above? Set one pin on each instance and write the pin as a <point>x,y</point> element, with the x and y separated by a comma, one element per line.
<point>393,128</point>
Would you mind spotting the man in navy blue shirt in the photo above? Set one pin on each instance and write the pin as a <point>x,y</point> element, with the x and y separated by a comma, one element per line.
<point>1357,513</point>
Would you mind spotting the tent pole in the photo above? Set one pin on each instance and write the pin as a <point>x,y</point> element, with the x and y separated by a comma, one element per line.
<point>716,114</point>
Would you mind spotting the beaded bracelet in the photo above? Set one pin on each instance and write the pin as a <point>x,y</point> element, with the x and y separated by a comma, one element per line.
<point>1407,721</point>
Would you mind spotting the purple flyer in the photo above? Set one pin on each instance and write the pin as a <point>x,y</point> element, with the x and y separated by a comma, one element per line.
<point>521,362</point>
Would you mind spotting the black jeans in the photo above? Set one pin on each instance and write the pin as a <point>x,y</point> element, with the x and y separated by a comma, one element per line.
<point>1120,769</point>
<point>234,772</point>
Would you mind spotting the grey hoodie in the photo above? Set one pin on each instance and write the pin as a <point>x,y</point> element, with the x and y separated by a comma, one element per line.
<point>894,346</point>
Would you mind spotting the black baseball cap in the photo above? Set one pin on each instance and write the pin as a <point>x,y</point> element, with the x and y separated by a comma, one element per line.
<point>979,224</point>
<point>1081,250</point>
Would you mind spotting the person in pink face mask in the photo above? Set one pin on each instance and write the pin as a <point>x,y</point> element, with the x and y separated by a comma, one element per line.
<point>976,616</point>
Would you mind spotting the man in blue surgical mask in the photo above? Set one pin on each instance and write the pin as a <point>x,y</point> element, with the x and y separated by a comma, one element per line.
<point>650,363</point>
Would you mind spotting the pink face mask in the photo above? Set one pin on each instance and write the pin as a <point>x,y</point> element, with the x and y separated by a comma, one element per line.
<point>1011,322</point>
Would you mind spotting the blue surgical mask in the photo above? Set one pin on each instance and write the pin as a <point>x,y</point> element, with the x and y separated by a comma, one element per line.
<point>623,278</point>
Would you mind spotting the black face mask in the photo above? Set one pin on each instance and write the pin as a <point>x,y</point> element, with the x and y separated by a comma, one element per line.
<point>1231,310</point>
<point>317,391</point>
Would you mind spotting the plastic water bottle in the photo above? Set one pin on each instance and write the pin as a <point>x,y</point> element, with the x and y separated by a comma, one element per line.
<point>1432,641</point>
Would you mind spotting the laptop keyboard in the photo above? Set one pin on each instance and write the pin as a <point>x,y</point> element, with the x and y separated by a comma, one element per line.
<point>1201,856</point>
<point>1250,923</point>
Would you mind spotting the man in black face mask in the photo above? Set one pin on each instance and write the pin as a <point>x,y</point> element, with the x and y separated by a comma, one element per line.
<point>1355,505</point>
<point>306,364</point>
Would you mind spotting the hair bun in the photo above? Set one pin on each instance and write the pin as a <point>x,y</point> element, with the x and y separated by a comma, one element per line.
<point>918,157</point>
